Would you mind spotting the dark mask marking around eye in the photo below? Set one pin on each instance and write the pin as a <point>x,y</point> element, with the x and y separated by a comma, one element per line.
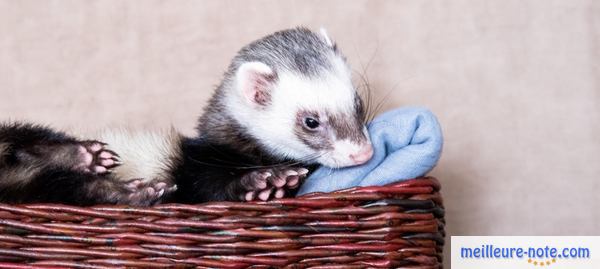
<point>318,139</point>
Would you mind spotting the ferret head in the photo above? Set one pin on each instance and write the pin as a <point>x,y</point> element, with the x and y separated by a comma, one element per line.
<point>292,91</point>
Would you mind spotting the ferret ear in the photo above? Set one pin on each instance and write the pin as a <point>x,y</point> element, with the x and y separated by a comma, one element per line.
<point>326,38</point>
<point>255,81</point>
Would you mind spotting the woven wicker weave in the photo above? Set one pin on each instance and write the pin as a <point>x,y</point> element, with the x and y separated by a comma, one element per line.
<point>396,226</point>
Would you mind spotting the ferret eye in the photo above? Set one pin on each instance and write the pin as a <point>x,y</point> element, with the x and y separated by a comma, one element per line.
<point>311,123</point>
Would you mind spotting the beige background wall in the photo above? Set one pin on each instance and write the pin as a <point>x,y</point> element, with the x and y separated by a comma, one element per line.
<point>515,84</point>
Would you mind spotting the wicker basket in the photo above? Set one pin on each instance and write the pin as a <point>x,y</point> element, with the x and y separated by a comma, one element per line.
<point>396,226</point>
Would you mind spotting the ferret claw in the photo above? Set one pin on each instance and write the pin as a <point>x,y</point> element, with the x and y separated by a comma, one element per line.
<point>148,193</point>
<point>291,173</point>
<point>279,193</point>
<point>265,194</point>
<point>114,154</point>
<point>302,171</point>
<point>96,158</point>
<point>267,183</point>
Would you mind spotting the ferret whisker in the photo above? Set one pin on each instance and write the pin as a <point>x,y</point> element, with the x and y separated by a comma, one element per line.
<point>300,161</point>
<point>369,113</point>
<point>210,164</point>
<point>304,160</point>
<point>381,103</point>
<point>367,93</point>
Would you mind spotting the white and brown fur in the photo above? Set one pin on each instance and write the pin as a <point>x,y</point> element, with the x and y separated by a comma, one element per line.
<point>38,164</point>
<point>257,136</point>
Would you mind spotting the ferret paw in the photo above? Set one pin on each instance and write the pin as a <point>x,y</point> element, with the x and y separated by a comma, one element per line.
<point>148,193</point>
<point>96,158</point>
<point>265,184</point>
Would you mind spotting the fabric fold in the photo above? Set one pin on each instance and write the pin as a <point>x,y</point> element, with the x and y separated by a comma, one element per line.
<point>407,143</point>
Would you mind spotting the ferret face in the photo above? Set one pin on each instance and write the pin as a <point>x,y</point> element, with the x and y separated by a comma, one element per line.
<point>324,120</point>
<point>317,118</point>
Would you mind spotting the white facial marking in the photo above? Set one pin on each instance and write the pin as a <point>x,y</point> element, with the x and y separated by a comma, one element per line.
<point>333,92</point>
<point>274,125</point>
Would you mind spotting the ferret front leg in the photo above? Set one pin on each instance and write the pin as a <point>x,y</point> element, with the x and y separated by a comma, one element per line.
<point>264,184</point>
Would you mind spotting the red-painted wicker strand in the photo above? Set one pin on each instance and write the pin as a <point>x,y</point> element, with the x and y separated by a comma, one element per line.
<point>400,225</point>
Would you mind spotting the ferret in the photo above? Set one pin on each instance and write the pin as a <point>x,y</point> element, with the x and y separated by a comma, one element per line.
<point>285,104</point>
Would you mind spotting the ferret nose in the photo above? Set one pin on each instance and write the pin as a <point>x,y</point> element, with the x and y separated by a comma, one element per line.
<point>363,155</point>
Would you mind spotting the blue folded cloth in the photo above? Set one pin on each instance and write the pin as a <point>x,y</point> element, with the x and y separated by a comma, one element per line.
<point>407,143</point>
